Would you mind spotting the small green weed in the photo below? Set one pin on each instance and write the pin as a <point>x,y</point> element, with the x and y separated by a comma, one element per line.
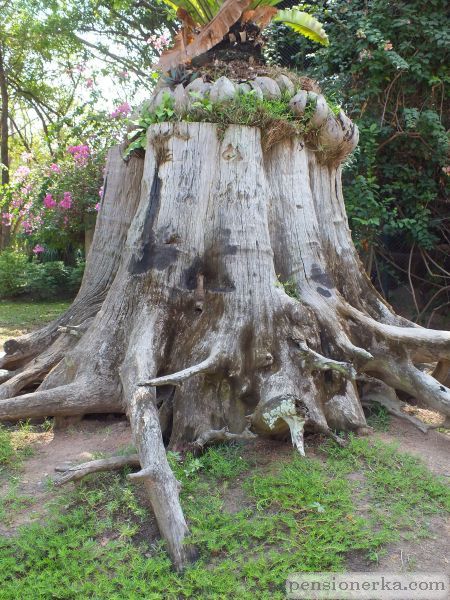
<point>163,112</point>
<point>378,417</point>
<point>16,443</point>
<point>290,288</point>
<point>272,116</point>
<point>6,447</point>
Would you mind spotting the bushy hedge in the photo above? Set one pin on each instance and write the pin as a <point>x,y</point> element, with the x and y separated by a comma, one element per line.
<point>385,66</point>
<point>20,276</point>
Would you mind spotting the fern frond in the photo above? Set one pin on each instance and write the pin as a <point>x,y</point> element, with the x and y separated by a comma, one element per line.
<point>304,24</point>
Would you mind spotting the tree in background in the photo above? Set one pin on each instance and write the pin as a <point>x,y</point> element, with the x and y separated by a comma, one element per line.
<point>51,54</point>
<point>387,65</point>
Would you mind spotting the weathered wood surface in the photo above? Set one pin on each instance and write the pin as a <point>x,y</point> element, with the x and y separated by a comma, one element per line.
<point>183,320</point>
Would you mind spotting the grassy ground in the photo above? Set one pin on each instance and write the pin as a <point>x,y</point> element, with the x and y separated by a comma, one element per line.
<point>253,522</point>
<point>257,513</point>
<point>18,317</point>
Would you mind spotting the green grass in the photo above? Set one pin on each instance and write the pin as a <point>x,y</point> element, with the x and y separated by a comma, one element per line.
<point>378,417</point>
<point>16,443</point>
<point>18,317</point>
<point>252,526</point>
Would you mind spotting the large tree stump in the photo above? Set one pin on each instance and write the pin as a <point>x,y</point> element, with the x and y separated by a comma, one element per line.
<point>187,327</point>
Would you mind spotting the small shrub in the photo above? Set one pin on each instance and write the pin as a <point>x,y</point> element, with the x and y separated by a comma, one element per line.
<point>45,280</point>
<point>20,276</point>
<point>13,277</point>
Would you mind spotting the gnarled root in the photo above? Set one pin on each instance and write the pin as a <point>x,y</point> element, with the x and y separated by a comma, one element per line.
<point>77,472</point>
<point>375,391</point>
<point>223,435</point>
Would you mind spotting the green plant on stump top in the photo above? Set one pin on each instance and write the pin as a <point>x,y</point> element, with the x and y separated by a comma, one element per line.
<point>273,116</point>
<point>208,23</point>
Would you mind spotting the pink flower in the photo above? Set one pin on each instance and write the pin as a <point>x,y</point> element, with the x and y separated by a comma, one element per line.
<point>97,206</point>
<point>7,219</point>
<point>89,82</point>
<point>121,111</point>
<point>27,227</point>
<point>100,192</point>
<point>80,154</point>
<point>123,74</point>
<point>48,201</point>
<point>66,202</point>
<point>38,249</point>
<point>159,42</point>
<point>26,156</point>
<point>55,168</point>
<point>21,173</point>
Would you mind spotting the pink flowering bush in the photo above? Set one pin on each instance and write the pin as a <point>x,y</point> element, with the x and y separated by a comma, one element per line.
<point>159,42</point>
<point>52,200</point>
<point>47,207</point>
<point>123,110</point>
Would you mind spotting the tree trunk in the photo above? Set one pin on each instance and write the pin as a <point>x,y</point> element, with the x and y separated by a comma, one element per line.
<point>4,146</point>
<point>237,306</point>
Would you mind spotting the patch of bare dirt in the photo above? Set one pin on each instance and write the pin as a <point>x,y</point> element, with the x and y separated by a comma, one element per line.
<point>432,447</point>
<point>431,554</point>
<point>76,444</point>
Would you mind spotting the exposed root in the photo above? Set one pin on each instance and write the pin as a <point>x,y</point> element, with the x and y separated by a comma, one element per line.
<point>343,409</point>
<point>77,472</point>
<point>206,366</point>
<point>314,361</point>
<point>71,399</point>
<point>426,345</point>
<point>403,375</point>
<point>378,392</point>
<point>159,480</point>
<point>35,371</point>
<point>296,426</point>
<point>222,435</point>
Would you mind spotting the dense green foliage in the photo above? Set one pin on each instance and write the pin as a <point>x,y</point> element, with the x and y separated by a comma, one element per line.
<point>387,65</point>
<point>251,534</point>
<point>20,276</point>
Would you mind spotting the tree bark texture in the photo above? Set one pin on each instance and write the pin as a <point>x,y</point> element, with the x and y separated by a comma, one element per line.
<point>183,320</point>
<point>4,141</point>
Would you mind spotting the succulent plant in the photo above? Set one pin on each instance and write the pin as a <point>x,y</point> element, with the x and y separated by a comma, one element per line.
<point>179,75</point>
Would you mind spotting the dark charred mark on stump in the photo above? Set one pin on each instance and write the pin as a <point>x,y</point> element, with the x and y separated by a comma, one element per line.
<point>191,273</point>
<point>319,276</point>
<point>210,265</point>
<point>153,255</point>
<point>323,292</point>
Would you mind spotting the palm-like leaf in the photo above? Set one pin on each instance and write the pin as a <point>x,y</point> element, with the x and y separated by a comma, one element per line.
<point>216,17</point>
<point>210,35</point>
<point>304,24</point>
